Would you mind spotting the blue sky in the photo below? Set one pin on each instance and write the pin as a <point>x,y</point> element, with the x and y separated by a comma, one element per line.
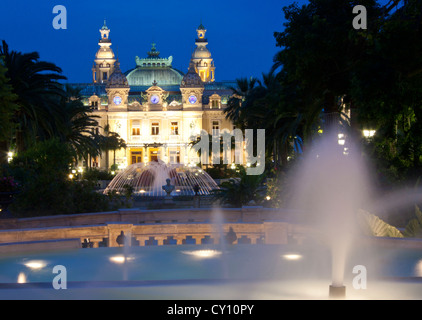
<point>240,33</point>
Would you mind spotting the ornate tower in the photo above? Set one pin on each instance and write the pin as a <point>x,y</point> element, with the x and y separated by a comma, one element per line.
<point>104,59</point>
<point>117,89</point>
<point>192,89</point>
<point>201,57</point>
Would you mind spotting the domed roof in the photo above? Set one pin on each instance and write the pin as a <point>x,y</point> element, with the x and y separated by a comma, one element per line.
<point>192,79</point>
<point>154,69</point>
<point>105,53</point>
<point>145,76</point>
<point>117,79</point>
<point>201,52</point>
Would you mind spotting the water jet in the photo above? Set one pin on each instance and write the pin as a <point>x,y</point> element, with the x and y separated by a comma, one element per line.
<point>147,179</point>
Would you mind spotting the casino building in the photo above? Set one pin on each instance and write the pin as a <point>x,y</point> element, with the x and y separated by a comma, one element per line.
<point>154,107</point>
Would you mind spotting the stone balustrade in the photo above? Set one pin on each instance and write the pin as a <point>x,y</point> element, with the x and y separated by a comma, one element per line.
<point>156,227</point>
<point>154,234</point>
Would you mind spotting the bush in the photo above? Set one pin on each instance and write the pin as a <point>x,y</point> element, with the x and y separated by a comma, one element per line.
<point>46,190</point>
<point>221,171</point>
<point>241,190</point>
<point>94,175</point>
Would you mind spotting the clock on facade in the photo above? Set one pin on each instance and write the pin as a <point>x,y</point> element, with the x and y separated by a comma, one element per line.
<point>192,99</point>
<point>117,100</point>
<point>155,99</point>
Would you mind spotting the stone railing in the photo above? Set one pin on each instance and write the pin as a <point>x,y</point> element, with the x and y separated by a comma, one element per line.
<point>138,216</point>
<point>156,234</point>
<point>158,227</point>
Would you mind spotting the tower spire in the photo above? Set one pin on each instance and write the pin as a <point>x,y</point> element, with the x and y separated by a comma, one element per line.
<point>104,27</point>
<point>204,64</point>
<point>104,59</point>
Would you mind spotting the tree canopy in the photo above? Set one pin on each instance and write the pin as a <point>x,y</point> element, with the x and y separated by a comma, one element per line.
<point>326,69</point>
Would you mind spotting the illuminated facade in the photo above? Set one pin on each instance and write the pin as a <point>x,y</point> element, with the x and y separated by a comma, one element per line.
<point>155,108</point>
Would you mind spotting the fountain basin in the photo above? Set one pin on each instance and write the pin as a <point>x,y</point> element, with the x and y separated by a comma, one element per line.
<point>208,272</point>
<point>148,179</point>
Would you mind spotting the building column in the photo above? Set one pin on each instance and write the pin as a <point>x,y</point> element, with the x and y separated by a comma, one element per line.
<point>145,155</point>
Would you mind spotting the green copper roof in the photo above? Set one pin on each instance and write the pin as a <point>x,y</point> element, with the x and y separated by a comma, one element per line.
<point>201,27</point>
<point>104,27</point>
<point>153,53</point>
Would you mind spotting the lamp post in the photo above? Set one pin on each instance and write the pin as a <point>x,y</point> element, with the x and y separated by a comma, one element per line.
<point>368,133</point>
<point>9,156</point>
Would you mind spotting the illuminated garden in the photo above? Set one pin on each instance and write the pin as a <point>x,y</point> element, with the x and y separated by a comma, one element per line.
<point>108,189</point>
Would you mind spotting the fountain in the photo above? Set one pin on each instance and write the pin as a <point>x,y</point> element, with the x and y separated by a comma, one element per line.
<point>148,179</point>
<point>329,187</point>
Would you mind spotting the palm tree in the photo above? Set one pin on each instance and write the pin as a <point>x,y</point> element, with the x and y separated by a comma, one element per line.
<point>241,190</point>
<point>7,109</point>
<point>236,104</point>
<point>77,125</point>
<point>111,141</point>
<point>258,104</point>
<point>38,95</point>
<point>117,143</point>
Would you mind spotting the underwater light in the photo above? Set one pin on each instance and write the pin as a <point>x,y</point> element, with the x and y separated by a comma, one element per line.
<point>35,264</point>
<point>292,256</point>
<point>203,254</point>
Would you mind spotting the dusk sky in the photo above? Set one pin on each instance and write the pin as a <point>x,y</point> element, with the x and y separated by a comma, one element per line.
<point>240,33</point>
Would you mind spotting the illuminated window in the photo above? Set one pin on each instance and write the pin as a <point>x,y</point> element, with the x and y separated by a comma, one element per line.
<point>174,156</point>
<point>174,128</point>
<point>136,128</point>
<point>215,127</point>
<point>136,156</point>
<point>155,129</point>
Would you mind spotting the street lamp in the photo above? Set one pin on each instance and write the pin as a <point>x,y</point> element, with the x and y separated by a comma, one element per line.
<point>9,156</point>
<point>368,133</point>
<point>341,139</point>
